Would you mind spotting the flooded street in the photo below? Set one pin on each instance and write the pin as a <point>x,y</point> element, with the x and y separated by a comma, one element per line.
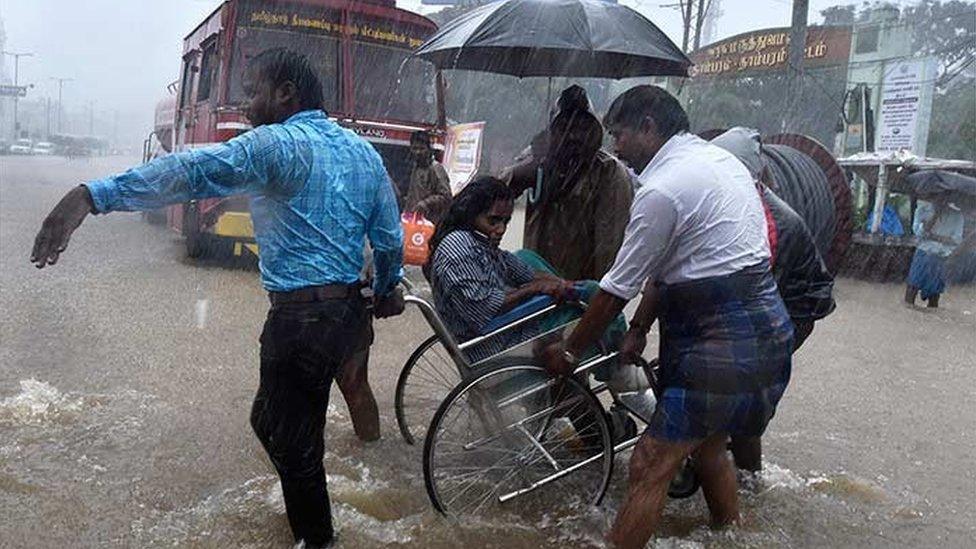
<point>127,373</point>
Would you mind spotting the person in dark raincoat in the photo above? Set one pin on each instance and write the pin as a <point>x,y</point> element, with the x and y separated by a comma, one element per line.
<point>802,278</point>
<point>578,195</point>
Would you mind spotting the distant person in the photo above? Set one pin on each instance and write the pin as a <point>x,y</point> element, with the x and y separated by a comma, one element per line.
<point>578,195</point>
<point>802,278</point>
<point>317,193</point>
<point>939,226</point>
<point>429,192</point>
<point>697,243</point>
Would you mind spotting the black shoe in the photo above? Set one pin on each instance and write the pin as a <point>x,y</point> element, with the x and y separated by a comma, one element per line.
<point>622,426</point>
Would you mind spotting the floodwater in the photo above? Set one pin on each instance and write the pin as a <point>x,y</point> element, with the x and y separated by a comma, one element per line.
<point>126,375</point>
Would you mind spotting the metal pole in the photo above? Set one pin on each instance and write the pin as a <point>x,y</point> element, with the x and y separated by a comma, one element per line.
<point>880,197</point>
<point>686,7</point>
<point>61,82</point>
<point>699,21</point>
<point>549,102</point>
<point>17,56</point>
<point>798,44</point>
<point>16,97</point>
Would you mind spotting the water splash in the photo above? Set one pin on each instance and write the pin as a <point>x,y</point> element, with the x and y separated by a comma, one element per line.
<point>38,403</point>
<point>232,512</point>
<point>201,312</point>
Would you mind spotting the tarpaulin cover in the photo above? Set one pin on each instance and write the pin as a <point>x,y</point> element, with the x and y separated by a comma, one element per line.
<point>927,184</point>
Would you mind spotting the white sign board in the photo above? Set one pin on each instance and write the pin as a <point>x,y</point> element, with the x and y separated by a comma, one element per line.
<point>906,106</point>
<point>462,153</point>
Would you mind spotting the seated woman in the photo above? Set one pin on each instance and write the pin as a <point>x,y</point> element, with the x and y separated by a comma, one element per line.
<point>472,279</point>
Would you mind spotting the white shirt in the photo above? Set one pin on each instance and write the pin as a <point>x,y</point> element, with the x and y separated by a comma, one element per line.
<point>696,215</point>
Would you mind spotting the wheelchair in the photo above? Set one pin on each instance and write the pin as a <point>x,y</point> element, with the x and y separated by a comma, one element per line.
<point>500,427</point>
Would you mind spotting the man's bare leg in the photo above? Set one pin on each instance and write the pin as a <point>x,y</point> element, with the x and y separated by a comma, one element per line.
<point>911,292</point>
<point>747,452</point>
<point>717,479</point>
<point>652,466</point>
<point>359,397</point>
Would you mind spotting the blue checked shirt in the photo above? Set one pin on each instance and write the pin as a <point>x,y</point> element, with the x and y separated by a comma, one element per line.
<point>317,192</point>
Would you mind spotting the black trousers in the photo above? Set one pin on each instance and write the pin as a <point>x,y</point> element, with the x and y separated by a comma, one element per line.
<point>303,345</point>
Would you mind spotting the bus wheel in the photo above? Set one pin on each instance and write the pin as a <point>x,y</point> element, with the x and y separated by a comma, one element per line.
<point>191,231</point>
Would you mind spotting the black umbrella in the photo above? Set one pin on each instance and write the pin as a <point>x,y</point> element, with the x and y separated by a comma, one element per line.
<point>581,38</point>
<point>931,184</point>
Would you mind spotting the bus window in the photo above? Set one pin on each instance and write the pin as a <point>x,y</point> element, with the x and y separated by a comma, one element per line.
<point>208,66</point>
<point>187,82</point>
<point>386,88</point>
<point>322,52</point>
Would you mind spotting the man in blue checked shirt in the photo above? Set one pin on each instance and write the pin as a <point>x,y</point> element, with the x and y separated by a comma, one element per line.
<point>317,192</point>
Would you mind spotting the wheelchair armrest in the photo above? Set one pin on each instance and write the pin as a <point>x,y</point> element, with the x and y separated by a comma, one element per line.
<point>532,305</point>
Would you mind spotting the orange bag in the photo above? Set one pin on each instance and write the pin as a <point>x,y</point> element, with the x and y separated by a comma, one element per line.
<point>417,232</point>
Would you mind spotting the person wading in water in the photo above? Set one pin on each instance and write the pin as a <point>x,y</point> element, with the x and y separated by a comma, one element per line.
<point>318,192</point>
<point>697,232</point>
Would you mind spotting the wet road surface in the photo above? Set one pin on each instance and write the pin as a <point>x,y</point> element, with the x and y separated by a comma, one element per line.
<point>127,372</point>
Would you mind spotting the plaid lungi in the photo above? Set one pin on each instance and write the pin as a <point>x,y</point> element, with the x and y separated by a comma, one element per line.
<point>726,346</point>
<point>927,273</point>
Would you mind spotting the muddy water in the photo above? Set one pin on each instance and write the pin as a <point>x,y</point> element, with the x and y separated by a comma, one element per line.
<point>124,402</point>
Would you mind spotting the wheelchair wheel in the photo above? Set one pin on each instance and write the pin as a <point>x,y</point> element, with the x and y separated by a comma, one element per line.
<point>425,380</point>
<point>516,432</point>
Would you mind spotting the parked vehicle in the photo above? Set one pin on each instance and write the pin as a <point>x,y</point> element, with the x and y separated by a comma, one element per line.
<point>372,86</point>
<point>43,147</point>
<point>22,146</point>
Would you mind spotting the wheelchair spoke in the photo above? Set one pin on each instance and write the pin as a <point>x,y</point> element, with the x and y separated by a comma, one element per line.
<point>512,431</point>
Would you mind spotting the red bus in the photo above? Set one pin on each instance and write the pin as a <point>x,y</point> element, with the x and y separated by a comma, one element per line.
<point>361,51</point>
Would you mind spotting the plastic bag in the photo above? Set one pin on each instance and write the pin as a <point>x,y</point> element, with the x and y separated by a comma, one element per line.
<point>417,232</point>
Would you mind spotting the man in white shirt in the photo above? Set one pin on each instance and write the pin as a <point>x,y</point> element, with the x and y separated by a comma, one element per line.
<point>697,243</point>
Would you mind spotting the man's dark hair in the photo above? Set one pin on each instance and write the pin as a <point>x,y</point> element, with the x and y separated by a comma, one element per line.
<point>633,106</point>
<point>281,65</point>
<point>420,136</point>
<point>475,199</point>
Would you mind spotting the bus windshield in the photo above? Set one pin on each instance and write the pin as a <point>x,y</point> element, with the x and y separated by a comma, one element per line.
<point>391,86</point>
<point>388,84</point>
<point>322,52</point>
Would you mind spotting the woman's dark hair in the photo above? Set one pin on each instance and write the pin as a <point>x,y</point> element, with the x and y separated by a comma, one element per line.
<point>280,65</point>
<point>475,199</point>
<point>633,106</point>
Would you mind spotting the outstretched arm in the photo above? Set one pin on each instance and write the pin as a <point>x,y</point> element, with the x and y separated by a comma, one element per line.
<point>59,225</point>
<point>265,159</point>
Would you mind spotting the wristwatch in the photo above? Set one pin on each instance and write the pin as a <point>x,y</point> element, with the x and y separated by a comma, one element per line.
<point>571,358</point>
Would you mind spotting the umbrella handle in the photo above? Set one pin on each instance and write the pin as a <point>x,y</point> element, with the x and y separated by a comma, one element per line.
<point>535,193</point>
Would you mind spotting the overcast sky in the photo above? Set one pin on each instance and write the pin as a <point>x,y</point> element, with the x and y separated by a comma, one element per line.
<point>123,53</point>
